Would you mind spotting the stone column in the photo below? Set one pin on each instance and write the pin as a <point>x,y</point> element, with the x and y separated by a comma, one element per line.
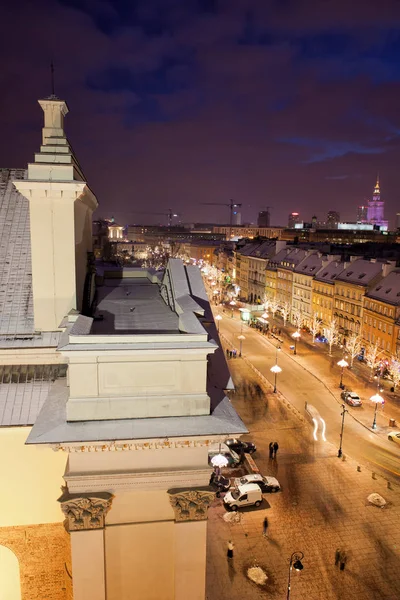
<point>85,514</point>
<point>190,507</point>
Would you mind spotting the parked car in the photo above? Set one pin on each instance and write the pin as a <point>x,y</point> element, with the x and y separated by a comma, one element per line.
<point>244,495</point>
<point>220,483</point>
<point>238,446</point>
<point>265,483</point>
<point>394,436</point>
<point>232,457</point>
<point>351,398</point>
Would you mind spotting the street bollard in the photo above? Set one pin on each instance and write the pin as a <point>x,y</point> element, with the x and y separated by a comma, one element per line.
<point>359,469</point>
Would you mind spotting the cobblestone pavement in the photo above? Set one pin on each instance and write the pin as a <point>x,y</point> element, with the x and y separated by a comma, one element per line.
<point>323,506</point>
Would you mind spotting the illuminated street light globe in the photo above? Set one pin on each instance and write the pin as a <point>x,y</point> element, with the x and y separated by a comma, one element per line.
<point>219,460</point>
<point>264,315</point>
<point>343,363</point>
<point>218,318</point>
<point>232,303</point>
<point>276,369</point>
<point>377,399</point>
<point>296,335</point>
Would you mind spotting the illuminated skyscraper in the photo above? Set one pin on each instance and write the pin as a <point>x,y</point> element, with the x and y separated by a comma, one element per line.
<point>362,214</point>
<point>294,218</point>
<point>376,208</point>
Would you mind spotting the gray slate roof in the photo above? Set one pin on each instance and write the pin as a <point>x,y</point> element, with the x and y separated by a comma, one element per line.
<point>388,289</point>
<point>361,272</point>
<point>329,272</point>
<point>310,265</point>
<point>16,301</point>
<point>20,403</point>
<point>51,426</point>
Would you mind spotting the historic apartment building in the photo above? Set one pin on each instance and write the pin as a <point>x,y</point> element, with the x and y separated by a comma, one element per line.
<point>381,314</point>
<point>118,400</point>
<point>323,291</point>
<point>351,285</point>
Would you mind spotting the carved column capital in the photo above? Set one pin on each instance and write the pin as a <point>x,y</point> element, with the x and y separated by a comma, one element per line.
<point>85,511</point>
<point>191,504</point>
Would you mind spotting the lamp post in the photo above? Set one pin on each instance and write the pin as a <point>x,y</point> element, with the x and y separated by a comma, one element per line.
<point>276,368</point>
<point>342,364</point>
<point>377,398</point>
<point>296,335</point>
<point>232,303</point>
<point>295,563</point>
<point>218,318</point>
<point>240,338</point>
<point>344,411</point>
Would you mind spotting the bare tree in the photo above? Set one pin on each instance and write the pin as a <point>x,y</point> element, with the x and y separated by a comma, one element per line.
<point>297,317</point>
<point>315,325</point>
<point>372,355</point>
<point>353,346</point>
<point>332,334</point>
<point>273,307</point>
<point>395,372</point>
<point>285,311</point>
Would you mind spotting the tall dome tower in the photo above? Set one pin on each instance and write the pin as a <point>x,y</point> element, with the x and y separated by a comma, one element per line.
<point>376,208</point>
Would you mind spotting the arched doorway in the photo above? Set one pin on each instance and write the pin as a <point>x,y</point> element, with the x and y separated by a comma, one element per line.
<point>10,586</point>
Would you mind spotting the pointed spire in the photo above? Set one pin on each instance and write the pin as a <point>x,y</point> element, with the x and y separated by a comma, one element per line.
<point>377,187</point>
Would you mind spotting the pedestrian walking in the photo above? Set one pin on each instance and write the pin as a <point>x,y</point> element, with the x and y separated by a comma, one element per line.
<point>229,552</point>
<point>276,448</point>
<point>343,560</point>
<point>265,527</point>
<point>227,353</point>
<point>230,353</point>
<point>271,450</point>
<point>337,557</point>
<point>234,353</point>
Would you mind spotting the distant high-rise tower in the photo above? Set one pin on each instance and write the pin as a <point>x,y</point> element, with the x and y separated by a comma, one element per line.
<point>294,218</point>
<point>332,219</point>
<point>376,207</point>
<point>264,218</point>
<point>362,214</point>
<point>236,217</point>
<point>397,220</point>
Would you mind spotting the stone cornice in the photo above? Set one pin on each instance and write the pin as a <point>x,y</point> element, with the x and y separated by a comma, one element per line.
<point>141,480</point>
<point>141,445</point>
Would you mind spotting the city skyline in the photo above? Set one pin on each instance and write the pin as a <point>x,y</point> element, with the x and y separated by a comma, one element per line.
<point>179,103</point>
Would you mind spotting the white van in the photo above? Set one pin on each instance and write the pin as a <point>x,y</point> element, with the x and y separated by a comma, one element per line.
<point>244,495</point>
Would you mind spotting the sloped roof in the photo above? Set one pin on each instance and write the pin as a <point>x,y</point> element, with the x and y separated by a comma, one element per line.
<point>388,289</point>
<point>329,272</point>
<point>310,265</point>
<point>16,300</point>
<point>360,272</point>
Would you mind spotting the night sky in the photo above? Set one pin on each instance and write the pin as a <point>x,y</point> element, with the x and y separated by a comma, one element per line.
<point>293,104</point>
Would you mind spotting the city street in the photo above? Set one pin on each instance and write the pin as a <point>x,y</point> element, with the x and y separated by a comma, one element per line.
<point>309,377</point>
<point>323,504</point>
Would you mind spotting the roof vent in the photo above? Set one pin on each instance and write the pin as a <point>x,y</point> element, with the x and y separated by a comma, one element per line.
<point>349,273</point>
<point>388,290</point>
<point>361,275</point>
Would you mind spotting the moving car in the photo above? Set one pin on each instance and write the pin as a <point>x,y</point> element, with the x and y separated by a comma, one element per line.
<point>244,495</point>
<point>351,398</point>
<point>265,483</point>
<point>220,483</point>
<point>394,436</point>
<point>239,445</point>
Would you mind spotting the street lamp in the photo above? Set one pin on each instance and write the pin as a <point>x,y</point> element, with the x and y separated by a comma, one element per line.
<point>218,318</point>
<point>377,398</point>
<point>295,563</point>
<point>342,364</point>
<point>344,411</point>
<point>240,338</point>
<point>276,368</point>
<point>232,303</point>
<point>296,335</point>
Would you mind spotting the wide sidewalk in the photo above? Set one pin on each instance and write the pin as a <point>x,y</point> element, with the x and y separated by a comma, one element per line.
<point>323,506</point>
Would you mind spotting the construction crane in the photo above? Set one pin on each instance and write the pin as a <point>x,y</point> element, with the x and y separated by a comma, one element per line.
<point>231,205</point>
<point>170,214</point>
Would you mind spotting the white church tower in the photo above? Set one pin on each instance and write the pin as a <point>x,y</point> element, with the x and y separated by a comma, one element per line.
<point>61,206</point>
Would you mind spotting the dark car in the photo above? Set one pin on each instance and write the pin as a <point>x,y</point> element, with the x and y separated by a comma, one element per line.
<point>238,446</point>
<point>351,398</point>
<point>266,484</point>
<point>220,483</point>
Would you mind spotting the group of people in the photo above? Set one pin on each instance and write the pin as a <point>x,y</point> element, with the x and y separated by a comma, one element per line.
<point>231,353</point>
<point>273,449</point>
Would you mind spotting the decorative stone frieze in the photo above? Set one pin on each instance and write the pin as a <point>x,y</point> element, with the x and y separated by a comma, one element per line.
<point>85,511</point>
<point>141,446</point>
<point>191,504</point>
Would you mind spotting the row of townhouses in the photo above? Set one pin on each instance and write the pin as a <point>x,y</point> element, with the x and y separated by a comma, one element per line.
<point>362,295</point>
